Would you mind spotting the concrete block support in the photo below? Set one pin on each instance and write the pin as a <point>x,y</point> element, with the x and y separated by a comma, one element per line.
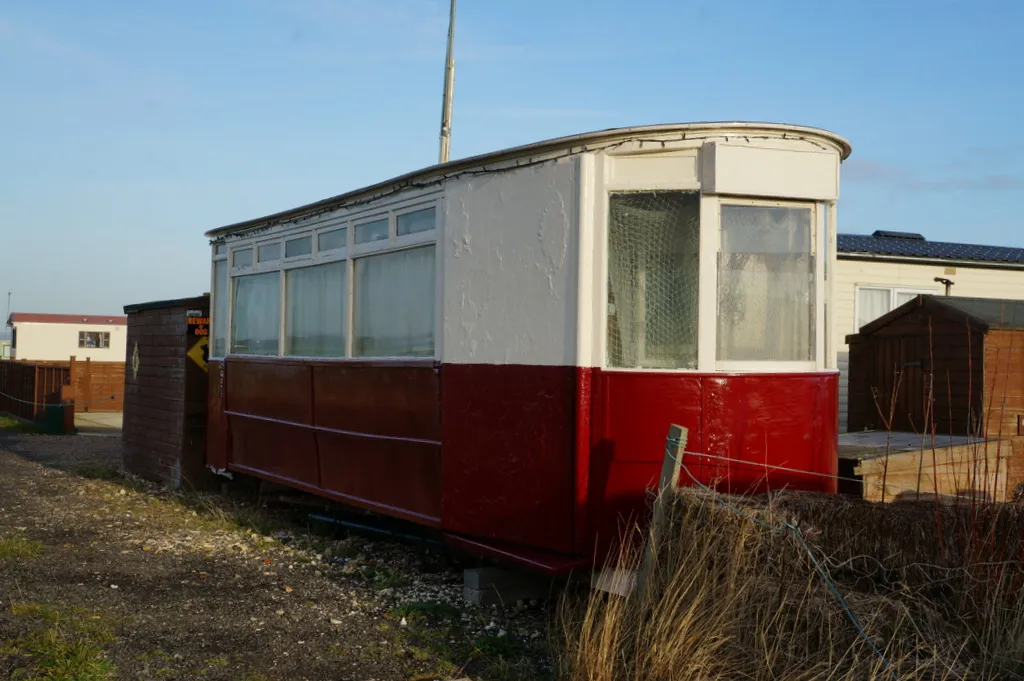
<point>497,586</point>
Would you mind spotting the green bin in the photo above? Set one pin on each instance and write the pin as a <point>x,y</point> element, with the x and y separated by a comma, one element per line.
<point>53,420</point>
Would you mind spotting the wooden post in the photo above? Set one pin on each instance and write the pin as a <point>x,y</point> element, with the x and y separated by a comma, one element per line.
<point>621,581</point>
<point>87,382</point>
<point>671,467</point>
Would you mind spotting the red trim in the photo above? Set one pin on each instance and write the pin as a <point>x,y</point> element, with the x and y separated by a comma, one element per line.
<point>40,318</point>
<point>551,563</point>
<point>337,496</point>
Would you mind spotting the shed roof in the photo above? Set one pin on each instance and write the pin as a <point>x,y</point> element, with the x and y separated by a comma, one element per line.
<point>911,245</point>
<point>575,143</point>
<point>981,313</point>
<point>163,304</point>
<point>40,318</point>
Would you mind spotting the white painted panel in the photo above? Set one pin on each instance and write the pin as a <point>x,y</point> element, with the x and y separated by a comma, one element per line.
<point>779,173</point>
<point>654,171</point>
<point>59,342</point>
<point>510,267</point>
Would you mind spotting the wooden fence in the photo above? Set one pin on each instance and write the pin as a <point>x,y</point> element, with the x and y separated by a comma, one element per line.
<point>95,386</point>
<point>25,389</point>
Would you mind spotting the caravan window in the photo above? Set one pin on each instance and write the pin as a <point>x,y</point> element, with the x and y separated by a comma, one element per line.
<point>394,304</point>
<point>653,274</point>
<point>766,284</point>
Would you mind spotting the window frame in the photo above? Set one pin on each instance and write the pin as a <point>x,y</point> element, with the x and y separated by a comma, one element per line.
<point>346,219</point>
<point>894,291</point>
<point>818,252</point>
<point>104,340</point>
<point>822,223</point>
<point>642,354</point>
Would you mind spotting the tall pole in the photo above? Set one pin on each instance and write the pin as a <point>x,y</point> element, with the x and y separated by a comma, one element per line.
<point>449,86</point>
<point>8,307</point>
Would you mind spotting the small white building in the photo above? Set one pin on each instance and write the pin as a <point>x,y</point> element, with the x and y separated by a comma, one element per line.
<point>878,272</point>
<point>58,337</point>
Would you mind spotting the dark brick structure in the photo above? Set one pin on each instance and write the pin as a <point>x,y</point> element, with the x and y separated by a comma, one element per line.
<point>165,390</point>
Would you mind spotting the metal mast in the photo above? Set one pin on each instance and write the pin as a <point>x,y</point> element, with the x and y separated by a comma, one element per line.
<point>449,86</point>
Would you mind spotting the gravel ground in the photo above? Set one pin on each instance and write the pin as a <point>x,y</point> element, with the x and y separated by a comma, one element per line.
<point>154,585</point>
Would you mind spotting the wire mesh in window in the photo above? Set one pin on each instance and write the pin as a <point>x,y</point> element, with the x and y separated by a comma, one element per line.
<point>766,285</point>
<point>653,276</point>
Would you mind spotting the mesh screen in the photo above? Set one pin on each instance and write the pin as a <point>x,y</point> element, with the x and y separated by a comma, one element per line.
<point>653,268</point>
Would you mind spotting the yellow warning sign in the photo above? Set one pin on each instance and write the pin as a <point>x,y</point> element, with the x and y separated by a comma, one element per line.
<point>199,353</point>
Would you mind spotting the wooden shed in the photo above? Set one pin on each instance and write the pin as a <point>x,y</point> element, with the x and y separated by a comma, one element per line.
<point>165,391</point>
<point>941,365</point>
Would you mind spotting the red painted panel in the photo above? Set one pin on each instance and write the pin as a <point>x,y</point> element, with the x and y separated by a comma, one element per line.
<point>508,453</point>
<point>217,443</point>
<point>277,448</point>
<point>277,389</point>
<point>782,420</point>
<point>383,398</point>
<point>400,476</point>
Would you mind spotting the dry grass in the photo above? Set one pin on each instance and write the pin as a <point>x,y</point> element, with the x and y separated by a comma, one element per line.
<point>726,598</point>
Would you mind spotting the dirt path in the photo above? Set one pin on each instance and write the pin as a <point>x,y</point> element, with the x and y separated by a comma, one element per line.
<point>130,582</point>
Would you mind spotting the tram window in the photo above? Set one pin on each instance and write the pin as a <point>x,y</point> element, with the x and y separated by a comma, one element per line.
<point>766,290</point>
<point>653,275</point>
<point>394,304</point>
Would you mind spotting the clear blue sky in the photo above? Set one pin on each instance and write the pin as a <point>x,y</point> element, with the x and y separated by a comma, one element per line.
<point>130,128</point>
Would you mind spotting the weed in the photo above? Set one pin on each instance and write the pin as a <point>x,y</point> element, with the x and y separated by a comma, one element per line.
<point>99,473</point>
<point>218,661</point>
<point>58,646</point>
<point>384,578</point>
<point>432,610</point>
<point>18,547</point>
<point>9,424</point>
<point>497,647</point>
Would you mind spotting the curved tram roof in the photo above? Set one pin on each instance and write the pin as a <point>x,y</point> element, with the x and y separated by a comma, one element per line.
<point>599,137</point>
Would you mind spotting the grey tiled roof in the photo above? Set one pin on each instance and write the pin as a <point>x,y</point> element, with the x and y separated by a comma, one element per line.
<point>908,245</point>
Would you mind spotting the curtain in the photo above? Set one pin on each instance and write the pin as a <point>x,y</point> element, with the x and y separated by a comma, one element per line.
<point>256,315</point>
<point>394,304</point>
<point>766,284</point>
<point>872,303</point>
<point>220,309</point>
<point>315,311</point>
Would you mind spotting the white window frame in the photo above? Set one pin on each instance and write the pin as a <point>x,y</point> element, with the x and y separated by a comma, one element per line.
<point>347,219</point>
<point>224,257</point>
<point>894,291</point>
<point>818,239</point>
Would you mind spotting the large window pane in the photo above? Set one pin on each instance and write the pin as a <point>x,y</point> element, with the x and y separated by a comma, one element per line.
<point>766,292</point>
<point>315,311</point>
<point>220,308</point>
<point>653,268</point>
<point>872,303</point>
<point>256,314</point>
<point>394,304</point>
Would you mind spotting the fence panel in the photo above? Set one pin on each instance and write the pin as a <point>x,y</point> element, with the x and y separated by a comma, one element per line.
<point>26,389</point>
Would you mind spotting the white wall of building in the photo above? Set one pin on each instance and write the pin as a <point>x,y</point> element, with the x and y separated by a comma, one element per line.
<point>57,342</point>
<point>510,252</point>
<point>971,282</point>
